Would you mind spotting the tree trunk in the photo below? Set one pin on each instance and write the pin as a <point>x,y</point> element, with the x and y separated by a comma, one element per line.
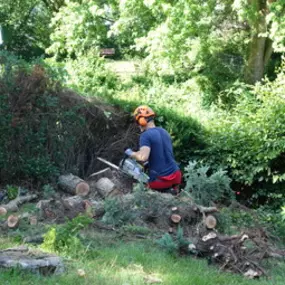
<point>73,185</point>
<point>258,54</point>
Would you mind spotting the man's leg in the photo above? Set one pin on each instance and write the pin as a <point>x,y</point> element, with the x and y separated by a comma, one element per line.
<point>166,182</point>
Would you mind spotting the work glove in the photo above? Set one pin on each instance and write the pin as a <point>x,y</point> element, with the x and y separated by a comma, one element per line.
<point>128,152</point>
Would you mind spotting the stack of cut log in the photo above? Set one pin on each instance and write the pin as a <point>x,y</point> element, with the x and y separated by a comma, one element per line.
<point>12,221</point>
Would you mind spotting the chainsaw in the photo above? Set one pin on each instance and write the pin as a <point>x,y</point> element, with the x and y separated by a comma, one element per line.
<point>129,167</point>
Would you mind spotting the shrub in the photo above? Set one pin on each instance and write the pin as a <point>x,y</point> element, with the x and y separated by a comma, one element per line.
<point>88,75</point>
<point>205,187</point>
<point>174,244</point>
<point>115,212</point>
<point>249,140</point>
<point>64,238</point>
<point>12,192</point>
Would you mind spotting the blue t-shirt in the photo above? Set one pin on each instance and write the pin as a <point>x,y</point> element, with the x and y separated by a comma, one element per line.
<point>161,159</point>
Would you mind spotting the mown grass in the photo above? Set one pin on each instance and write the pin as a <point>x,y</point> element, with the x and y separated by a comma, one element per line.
<point>111,261</point>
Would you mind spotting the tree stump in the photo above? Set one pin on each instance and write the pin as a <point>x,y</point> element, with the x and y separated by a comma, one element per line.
<point>73,185</point>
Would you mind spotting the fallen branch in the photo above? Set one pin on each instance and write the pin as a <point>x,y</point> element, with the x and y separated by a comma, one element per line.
<point>13,206</point>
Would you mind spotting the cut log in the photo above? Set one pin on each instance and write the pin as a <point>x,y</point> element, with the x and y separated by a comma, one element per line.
<point>13,205</point>
<point>3,211</point>
<point>13,221</point>
<point>106,187</point>
<point>107,172</point>
<point>61,209</point>
<point>72,202</point>
<point>33,220</point>
<point>175,218</point>
<point>73,185</point>
<point>35,261</point>
<point>210,222</point>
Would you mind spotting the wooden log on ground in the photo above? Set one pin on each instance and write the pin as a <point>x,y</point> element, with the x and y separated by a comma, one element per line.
<point>13,221</point>
<point>3,211</point>
<point>106,187</point>
<point>61,209</point>
<point>175,218</point>
<point>73,185</point>
<point>34,261</point>
<point>13,206</point>
<point>107,172</point>
<point>33,220</point>
<point>210,222</point>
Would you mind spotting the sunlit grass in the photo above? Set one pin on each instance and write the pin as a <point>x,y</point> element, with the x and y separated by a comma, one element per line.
<point>123,263</point>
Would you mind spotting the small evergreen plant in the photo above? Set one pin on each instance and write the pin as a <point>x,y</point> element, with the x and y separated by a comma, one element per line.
<point>206,188</point>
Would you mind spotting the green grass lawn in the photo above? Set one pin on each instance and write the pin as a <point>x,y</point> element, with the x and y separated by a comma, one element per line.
<point>113,261</point>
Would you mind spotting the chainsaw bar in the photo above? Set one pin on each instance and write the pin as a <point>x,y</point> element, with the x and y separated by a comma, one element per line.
<point>109,163</point>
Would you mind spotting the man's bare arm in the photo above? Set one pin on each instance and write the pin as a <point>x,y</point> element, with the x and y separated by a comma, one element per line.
<point>142,154</point>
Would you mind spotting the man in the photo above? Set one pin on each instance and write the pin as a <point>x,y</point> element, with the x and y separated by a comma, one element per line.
<point>156,148</point>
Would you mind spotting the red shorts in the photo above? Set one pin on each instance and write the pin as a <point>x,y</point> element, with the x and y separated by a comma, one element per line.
<point>169,181</point>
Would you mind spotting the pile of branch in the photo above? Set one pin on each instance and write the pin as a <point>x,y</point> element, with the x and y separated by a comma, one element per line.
<point>13,221</point>
<point>241,253</point>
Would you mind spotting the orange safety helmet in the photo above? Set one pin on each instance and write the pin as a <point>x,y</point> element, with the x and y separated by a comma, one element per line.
<point>141,113</point>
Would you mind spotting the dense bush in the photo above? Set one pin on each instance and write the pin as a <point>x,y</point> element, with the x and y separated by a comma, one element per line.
<point>249,140</point>
<point>88,75</point>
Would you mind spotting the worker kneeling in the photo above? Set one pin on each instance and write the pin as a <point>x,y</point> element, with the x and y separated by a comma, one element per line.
<point>156,149</point>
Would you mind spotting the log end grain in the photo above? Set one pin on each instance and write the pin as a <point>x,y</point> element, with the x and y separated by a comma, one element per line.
<point>82,189</point>
<point>175,218</point>
<point>13,221</point>
<point>210,222</point>
<point>3,211</point>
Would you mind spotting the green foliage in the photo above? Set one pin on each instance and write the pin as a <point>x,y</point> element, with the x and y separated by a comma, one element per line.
<point>48,191</point>
<point>232,221</point>
<point>135,19</point>
<point>249,140</point>
<point>79,27</point>
<point>168,243</point>
<point>206,188</point>
<point>12,191</point>
<point>116,213</point>
<point>25,26</point>
<point>174,244</point>
<point>283,213</point>
<point>64,238</point>
<point>89,76</point>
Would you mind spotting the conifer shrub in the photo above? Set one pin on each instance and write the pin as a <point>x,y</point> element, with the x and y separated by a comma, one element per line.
<point>206,187</point>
